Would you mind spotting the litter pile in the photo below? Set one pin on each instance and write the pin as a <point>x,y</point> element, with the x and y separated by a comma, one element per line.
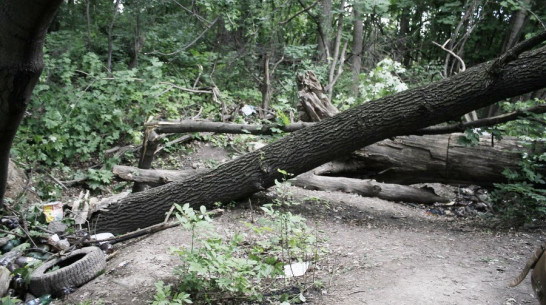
<point>43,256</point>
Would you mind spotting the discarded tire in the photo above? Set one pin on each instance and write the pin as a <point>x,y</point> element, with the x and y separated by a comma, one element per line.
<point>76,269</point>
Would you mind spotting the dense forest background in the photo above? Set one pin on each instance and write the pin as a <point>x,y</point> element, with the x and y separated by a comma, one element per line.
<point>110,66</point>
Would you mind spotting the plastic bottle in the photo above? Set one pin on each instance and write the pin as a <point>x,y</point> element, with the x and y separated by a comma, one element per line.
<point>43,300</point>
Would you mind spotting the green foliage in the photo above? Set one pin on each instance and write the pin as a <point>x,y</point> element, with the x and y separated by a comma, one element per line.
<point>382,81</point>
<point>243,266</point>
<point>523,198</point>
<point>7,300</point>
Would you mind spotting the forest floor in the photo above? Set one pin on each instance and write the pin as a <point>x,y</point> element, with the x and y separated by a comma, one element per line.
<point>377,252</point>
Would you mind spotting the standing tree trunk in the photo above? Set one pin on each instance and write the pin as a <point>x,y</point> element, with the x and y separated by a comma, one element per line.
<point>517,23</point>
<point>138,39</point>
<point>88,19</point>
<point>266,89</point>
<point>23,26</point>
<point>325,30</point>
<point>340,135</point>
<point>358,36</point>
<point>110,33</point>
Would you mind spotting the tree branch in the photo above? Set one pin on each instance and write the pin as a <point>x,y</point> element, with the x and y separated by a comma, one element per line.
<point>190,43</point>
<point>299,13</point>
<point>503,118</point>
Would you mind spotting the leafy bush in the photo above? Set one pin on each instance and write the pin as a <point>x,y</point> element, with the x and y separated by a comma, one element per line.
<point>243,267</point>
<point>382,81</point>
<point>523,198</point>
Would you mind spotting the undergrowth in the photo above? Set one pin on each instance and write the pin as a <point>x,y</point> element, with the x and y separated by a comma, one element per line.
<point>246,267</point>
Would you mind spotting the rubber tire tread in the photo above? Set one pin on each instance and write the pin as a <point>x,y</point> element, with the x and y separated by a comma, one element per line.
<point>73,275</point>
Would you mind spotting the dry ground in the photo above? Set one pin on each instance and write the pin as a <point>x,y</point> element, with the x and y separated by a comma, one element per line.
<point>379,252</point>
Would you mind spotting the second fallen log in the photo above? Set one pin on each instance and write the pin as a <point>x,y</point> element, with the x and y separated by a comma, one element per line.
<point>366,188</point>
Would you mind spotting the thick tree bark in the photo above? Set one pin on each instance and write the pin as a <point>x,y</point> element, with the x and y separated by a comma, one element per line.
<point>23,26</point>
<point>433,158</point>
<point>153,177</point>
<point>340,135</point>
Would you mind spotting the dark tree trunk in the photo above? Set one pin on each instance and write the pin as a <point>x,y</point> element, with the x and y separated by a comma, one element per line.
<point>433,158</point>
<point>23,26</point>
<point>138,40</point>
<point>325,30</point>
<point>340,135</point>
<point>88,19</point>
<point>358,36</point>
<point>517,23</point>
<point>110,35</point>
<point>403,39</point>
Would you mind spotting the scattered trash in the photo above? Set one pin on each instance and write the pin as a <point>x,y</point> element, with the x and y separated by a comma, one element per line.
<point>53,211</point>
<point>257,145</point>
<point>10,222</point>
<point>248,110</point>
<point>10,245</point>
<point>57,227</point>
<point>100,236</point>
<point>22,261</point>
<point>295,269</point>
<point>75,269</point>
<point>106,247</point>
<point>80,207</point>
<point>55,241</point>
<point>43,300</point>
<point>4,280</point>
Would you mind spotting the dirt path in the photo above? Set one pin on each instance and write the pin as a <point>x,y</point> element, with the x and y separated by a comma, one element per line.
<point>379,253</point>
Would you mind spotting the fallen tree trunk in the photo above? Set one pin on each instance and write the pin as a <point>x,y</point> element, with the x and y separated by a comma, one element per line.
<point>366,188</point>
<point>340,135</point>
<point>153,177</point>
<point>433,158</point>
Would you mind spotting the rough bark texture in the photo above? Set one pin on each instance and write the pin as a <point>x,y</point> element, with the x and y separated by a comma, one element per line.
<point>367,188</point>
<point>403,160</point>
<point>314,105</point>
<point>23,26</point>
<point>153,177</point>
<point>433,158</point>
<point>340,135</point>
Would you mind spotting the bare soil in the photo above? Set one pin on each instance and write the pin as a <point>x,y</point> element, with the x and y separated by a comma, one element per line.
<point>378,252</point>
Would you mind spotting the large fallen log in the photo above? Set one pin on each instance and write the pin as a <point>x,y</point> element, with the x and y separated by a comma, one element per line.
<point>398,114</point>
<point>366,188</point>
<point>434,158</point>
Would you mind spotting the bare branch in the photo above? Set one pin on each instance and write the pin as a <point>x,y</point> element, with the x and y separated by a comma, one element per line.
<point>503,118</point>
<point>186,89</point>
<point>299,13</point>
<point>190,43</point>
<point>443,47</point>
